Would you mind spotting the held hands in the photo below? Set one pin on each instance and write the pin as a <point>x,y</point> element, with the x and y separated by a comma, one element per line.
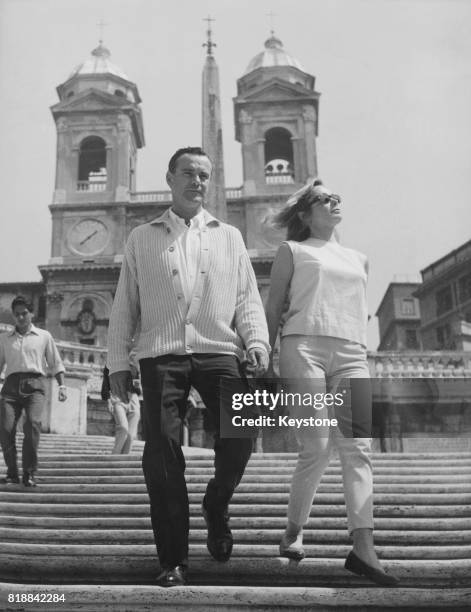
<point>257,361</point>
<point>62,395</point>
<point>270,373</point>
<point>120,383</point>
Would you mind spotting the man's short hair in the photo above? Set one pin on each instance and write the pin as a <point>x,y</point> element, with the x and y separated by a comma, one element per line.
<point>172,164</point>
<point>20,300</point>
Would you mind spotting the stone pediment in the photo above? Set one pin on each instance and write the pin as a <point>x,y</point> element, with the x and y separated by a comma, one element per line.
<point>90,100</point>
<point>276,89</point>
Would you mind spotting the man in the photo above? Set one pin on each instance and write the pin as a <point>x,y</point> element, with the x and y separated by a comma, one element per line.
<point>27,352</point>
<point>188,280</point>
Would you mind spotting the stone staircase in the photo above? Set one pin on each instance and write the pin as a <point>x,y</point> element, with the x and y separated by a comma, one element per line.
<point>85,532</point>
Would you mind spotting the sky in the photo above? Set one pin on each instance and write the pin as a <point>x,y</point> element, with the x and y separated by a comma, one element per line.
<point>394,120</point>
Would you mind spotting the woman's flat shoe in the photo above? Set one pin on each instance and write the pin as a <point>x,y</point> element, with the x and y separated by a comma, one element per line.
<point>291,551</point>
<point>357,566</point>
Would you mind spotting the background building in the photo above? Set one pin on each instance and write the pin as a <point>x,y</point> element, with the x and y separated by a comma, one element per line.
<point>445,302</point>
<point>434,315</point>
<point>399,318</point>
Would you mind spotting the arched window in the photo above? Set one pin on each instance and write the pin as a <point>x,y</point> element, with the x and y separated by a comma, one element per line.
<point>279,167</point>
<point>92,165</point>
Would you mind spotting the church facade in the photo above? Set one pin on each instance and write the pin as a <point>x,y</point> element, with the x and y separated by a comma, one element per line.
<point>96,202</point>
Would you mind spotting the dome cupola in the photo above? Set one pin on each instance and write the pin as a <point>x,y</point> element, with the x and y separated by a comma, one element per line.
<point>274,54</point>
<point>99,63</point>
<point>100,73</point>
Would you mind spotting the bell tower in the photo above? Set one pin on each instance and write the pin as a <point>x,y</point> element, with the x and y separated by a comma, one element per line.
<point>276,118</point>
<point>99,129</point>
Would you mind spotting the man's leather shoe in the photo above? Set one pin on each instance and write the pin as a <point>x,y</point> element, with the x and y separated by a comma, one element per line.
<point>294,550</point>
<point>172,577</point>
<point>357,566</point>
<point>219,540</point>
<point>28,480</point>
<point>9,480</point>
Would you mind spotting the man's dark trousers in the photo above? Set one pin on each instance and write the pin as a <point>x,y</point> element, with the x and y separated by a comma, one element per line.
<point>21,391</point>
<point>166,382</point>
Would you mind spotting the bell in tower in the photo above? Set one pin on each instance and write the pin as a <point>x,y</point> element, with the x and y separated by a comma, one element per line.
<point>276,115</point>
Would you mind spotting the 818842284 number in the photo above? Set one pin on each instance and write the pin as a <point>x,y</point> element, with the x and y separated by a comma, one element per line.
<point>36,597</point>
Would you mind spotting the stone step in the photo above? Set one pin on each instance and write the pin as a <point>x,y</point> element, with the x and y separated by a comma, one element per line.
<point>134,475</point>
<point>87,441</point>
<point>195,475</point>
<point>69,449</point>
<point>323,530</point>
<point>323,534</point>
<point>22,495</point>
<point>114,537</point>
<point>401,479</point>
<point>256,461</point>
<point>77,563</point>
<point>326,510</point>
<point>79,453</point>
<point>98,469</point>
<point>45,487</point>
<point>124,598</point>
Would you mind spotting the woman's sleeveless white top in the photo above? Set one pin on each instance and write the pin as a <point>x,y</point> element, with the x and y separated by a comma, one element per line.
<point>327,295</point>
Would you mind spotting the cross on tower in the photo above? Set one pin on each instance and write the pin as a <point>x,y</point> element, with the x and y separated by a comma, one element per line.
<point>101,24</point>
<point>209,43</point>
<point>272,16</point>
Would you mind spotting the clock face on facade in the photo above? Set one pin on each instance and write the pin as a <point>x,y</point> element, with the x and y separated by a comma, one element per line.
<point>88,237</point>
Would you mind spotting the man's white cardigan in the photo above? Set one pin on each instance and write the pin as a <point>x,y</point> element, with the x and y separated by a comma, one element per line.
<point>225,314</point>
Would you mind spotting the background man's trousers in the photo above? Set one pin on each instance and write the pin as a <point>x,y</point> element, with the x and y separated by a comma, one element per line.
<point>166,382</point>
<point>21,392</point>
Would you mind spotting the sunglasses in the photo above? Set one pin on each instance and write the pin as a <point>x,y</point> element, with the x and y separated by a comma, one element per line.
<point>326,198</point>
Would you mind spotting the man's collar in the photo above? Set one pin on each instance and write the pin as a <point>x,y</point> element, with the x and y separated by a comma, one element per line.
<point>31,330</point>
<point>166,219</point>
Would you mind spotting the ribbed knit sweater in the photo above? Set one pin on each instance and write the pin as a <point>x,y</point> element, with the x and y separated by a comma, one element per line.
<point>225,313</point>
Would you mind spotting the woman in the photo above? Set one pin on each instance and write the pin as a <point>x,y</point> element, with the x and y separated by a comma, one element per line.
<point>318,289</point>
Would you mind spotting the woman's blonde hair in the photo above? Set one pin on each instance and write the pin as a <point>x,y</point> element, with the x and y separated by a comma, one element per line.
<point>290,218</point>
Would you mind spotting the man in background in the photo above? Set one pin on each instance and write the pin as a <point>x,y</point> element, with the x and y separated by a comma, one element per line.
<point>27,352</point>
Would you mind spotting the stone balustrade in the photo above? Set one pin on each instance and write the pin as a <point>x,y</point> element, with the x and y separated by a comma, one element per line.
<point>83,358</point>
<point>166,195</point>
<point>74,354</point>
<point>91,185</point>
<point>384,364</point>
<point>233,194</point>
<point>420,364</point>
<point>151,196</point>
<point>281,178</point>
